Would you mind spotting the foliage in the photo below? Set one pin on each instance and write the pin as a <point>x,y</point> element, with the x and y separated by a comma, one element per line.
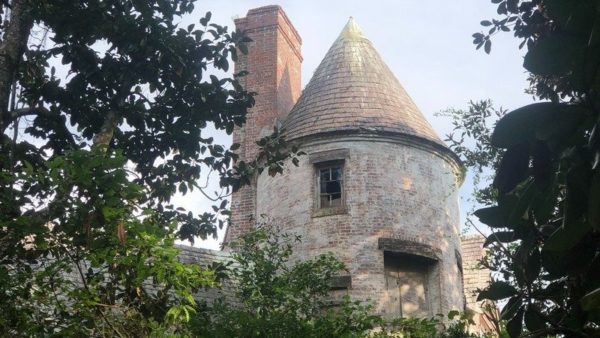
<point>546,221</point>
<point>277,296</point>
<point>100,126</point>
<point>470,139</point>
<point>72,277</point>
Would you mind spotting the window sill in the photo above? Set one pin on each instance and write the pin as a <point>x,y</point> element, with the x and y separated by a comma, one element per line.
<point>329,211</point>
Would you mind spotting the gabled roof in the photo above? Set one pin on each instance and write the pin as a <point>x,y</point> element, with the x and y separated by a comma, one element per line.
<point>354,90</point>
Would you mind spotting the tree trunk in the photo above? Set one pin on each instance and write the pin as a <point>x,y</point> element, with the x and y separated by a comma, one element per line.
<point>12,47</point>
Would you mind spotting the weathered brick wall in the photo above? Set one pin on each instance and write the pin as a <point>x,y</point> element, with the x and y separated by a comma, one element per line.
<point>273,63</point>
<point>475,277</point>
<point>394,189</point>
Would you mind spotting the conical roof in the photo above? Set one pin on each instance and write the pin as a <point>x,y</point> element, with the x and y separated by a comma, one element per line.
<point>354,90</point>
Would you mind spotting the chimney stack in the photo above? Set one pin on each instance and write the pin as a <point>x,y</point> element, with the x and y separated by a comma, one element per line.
<point>273,64</point>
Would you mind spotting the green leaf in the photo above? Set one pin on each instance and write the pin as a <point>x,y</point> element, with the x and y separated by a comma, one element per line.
<point>534,265</point>
<point>243,47</point>
<point>511,308</point>
<point>542,120</point>
<point>514,327</point>
<point>566,50</point>
<point>513,168</point>
<point>497,290</point>
<point>204,21</point>
<point>533,320</point>
<point>494,217</point>
<point>566,237</point>
<point>452,314</point>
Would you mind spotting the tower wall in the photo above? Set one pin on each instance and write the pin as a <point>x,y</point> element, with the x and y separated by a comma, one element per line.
<point>273,65</point>
<point>395,190</point>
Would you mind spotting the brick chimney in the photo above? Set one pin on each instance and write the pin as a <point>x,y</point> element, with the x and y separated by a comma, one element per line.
<point>274,65</point>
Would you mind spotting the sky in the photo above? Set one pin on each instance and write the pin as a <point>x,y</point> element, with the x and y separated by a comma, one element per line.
<point>427,44</point>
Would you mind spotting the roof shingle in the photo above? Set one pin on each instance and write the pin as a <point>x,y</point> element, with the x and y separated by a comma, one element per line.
<point>354,90</point>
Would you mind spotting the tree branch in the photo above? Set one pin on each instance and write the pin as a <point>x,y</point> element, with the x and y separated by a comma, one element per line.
<point>40,111</point>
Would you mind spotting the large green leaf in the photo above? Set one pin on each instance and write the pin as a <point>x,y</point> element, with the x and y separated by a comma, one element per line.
<point>494,217</point>
<point>542,120</point>
<point>544,204</point>
<point>566,237</point>
<point>511,308</point>
<point>497,290</point>
<point>566,52</point>
<point>568,261</point>
<point>514,327</point>
<point>534,265</point>
<point>533,320</point>
<point>513,168</point>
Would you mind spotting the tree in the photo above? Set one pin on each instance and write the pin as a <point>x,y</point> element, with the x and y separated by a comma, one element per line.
<point>546,218</point>
<point>92,153</point>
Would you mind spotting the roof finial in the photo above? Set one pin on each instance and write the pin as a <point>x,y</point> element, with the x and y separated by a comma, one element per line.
<point>351,30</point>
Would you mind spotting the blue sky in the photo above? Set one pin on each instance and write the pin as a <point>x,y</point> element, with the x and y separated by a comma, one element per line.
<point>427,44</point>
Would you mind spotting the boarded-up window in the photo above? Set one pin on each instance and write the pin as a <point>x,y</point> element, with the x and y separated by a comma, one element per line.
<point>406,279</point>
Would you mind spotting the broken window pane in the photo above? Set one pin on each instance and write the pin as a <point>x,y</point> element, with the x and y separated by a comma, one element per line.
<point>330,186</point>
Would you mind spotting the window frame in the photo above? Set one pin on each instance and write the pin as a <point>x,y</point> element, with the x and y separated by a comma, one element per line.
<point>335,165</point>
<point>324,159</point>
<point>318,210</point>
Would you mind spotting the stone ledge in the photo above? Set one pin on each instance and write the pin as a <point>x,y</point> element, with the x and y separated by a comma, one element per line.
<point>322,212</point>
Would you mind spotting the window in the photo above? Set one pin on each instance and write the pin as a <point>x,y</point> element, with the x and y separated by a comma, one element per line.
<point>330,185</point>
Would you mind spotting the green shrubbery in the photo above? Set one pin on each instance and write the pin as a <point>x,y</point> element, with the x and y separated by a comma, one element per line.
<point>277,297</point>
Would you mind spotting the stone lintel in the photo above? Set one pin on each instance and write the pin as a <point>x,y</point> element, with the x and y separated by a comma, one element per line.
<point>329,155</point>
<point>409,247</point>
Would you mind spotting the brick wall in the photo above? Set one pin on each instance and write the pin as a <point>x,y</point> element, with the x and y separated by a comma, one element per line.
<point>273,63</point>
<point>394,189</point>
<point>475,277</point>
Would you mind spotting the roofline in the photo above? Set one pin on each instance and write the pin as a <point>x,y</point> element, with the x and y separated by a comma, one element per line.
<point>415,141</point>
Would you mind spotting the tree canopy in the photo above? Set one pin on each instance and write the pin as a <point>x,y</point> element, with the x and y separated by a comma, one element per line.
<point>105,108</point>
